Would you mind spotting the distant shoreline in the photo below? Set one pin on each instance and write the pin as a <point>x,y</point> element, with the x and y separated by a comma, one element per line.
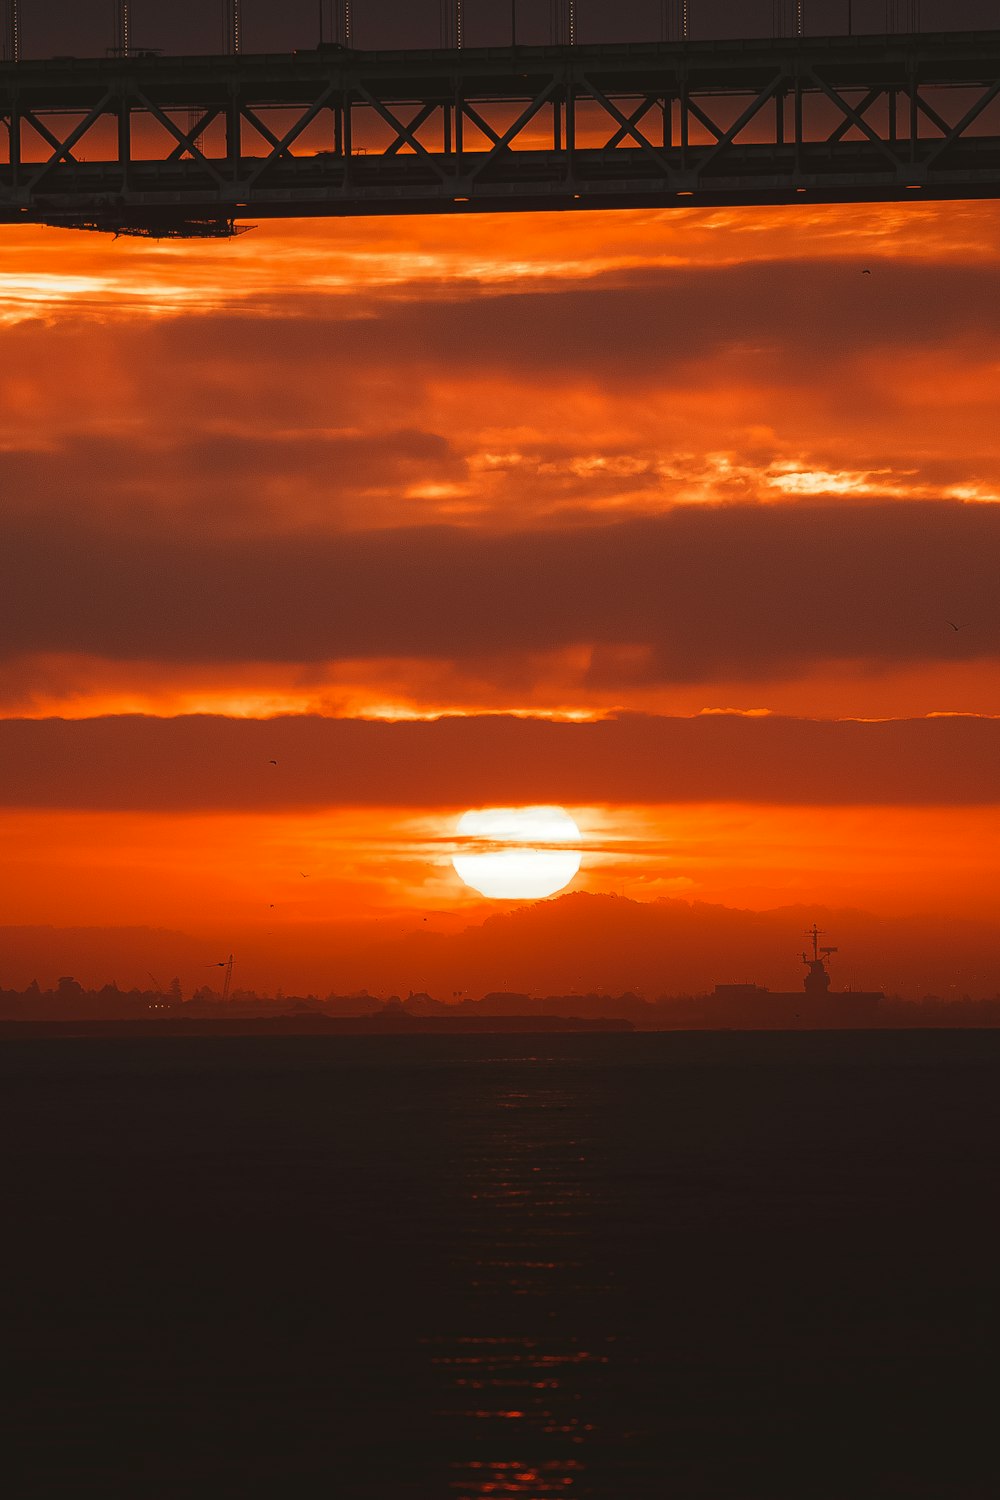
<point>312,1025</point>
<point>369,1026</point>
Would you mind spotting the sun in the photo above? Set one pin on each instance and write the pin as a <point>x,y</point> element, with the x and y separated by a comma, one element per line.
<point>517,853</point>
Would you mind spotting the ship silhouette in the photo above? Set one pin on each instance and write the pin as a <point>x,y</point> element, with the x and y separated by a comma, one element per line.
<point>816,1003</point>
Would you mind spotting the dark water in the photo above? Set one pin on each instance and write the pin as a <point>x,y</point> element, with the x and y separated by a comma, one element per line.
<point>595,1267</point>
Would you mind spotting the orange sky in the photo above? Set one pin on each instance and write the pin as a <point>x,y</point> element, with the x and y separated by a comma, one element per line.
<point>601,473</point>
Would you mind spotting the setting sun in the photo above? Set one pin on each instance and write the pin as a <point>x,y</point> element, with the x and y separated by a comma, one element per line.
<point>517,853</point>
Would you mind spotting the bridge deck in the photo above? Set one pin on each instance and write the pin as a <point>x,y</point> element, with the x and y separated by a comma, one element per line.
<point>189,145</point>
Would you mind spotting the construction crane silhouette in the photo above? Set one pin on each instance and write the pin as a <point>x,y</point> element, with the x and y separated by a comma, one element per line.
<point>227,964</point>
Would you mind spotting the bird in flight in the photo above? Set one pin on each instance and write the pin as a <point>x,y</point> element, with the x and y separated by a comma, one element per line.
<point>954,626</point>
<point>866,272</point>
<point>272,762</point>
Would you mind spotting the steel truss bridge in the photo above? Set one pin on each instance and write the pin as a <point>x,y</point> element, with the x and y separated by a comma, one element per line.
<point>152,145</point>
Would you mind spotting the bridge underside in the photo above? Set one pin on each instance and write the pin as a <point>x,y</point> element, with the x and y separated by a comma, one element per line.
<point>193,145</point>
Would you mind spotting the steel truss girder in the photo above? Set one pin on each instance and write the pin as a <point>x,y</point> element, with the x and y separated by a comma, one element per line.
<point>739,122</point>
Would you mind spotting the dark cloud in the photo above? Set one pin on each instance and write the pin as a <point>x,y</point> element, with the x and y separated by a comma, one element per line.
<point>624,324</point>
<point>252,419</point>
<point>334,411</point>
<point>207,481</point>
<point>698,594</point>
<point>217,763</point>
<point>627,323</point>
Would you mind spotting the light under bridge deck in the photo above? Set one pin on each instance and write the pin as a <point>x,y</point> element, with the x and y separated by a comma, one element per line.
<point>195,145</point>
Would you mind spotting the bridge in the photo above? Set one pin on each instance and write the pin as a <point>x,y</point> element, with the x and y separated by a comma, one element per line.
<point>150,145</point>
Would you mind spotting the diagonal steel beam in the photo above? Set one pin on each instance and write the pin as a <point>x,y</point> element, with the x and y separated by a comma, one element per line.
<point>971,114</point>
<point>855,119</point>
<point>614,141</point>
<point>419,120</point>
<point>301,124</point>
<point>40,127</point>
<point>484,125</point>
<point>637,135</point>
<point>264,131</point>
<point>862,109</point>
<point>752,109</point>
<point>403,132</point>
<point>192,135</point>
<point>513,131</point>
<point>64,151</point>
<point>694,108</point>
<point>932,114</point>
<point>178,134</point>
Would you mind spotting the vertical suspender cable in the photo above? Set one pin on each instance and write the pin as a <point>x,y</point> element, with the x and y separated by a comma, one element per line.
<point>122,39</point>
<point>233,39</point>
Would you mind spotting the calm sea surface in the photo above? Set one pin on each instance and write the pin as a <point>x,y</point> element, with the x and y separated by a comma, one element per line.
<point>595,1267</point>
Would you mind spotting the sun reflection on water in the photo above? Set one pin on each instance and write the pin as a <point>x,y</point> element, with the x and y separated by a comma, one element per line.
<point>534,1480</point>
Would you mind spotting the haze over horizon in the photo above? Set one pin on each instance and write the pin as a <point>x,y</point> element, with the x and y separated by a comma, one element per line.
<point>578,943</point>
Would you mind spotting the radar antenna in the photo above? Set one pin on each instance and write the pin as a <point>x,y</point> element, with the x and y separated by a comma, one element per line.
<point>817,981</point>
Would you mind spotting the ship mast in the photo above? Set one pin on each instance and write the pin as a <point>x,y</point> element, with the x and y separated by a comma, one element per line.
<point>817,981</point>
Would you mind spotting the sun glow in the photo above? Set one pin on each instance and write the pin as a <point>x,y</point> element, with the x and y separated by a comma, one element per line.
<point>517,853</point>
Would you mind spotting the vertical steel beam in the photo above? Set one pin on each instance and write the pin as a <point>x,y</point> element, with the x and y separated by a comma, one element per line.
<point>347,125</point>
<point>234,130</point>
<point>685,120</point>
<point>570,121</point>
<point>124,136</point>
<point>798,120</point>
<point>14,141</point>
<point>12,53</point>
